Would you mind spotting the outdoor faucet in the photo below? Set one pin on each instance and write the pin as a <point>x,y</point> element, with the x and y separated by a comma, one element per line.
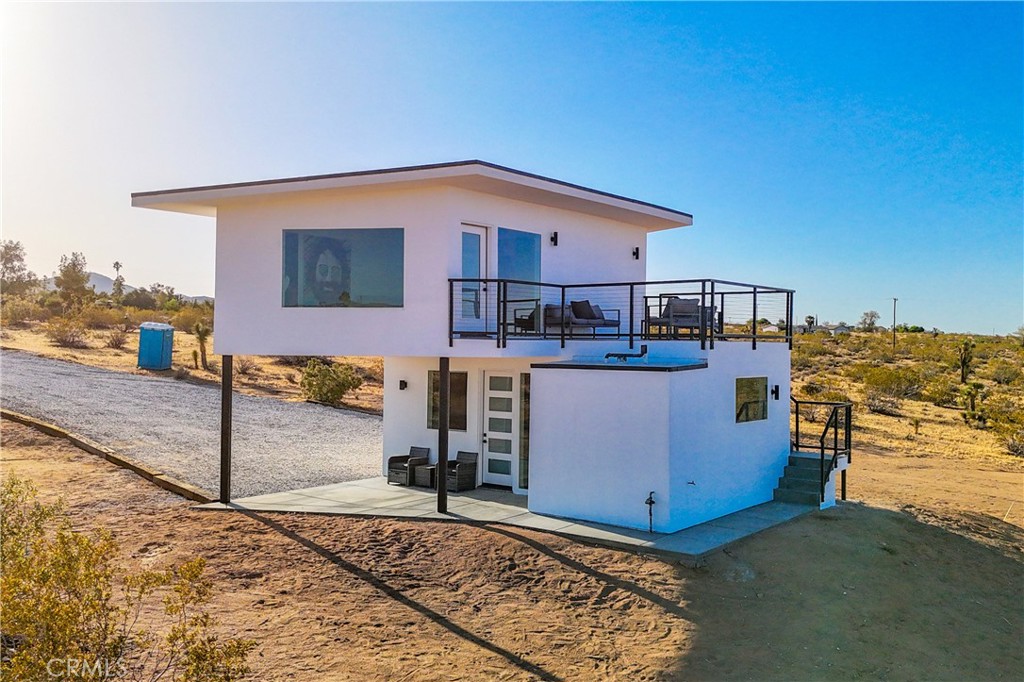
<point>622,357</point>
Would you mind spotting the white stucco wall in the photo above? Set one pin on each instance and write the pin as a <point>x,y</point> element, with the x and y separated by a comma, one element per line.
<point>250,318</point>
<point>602,440</point>
<point>732,466</point>
<point>599,445</point>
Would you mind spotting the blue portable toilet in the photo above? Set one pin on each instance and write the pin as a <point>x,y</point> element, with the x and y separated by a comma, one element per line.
<point>156,341</point>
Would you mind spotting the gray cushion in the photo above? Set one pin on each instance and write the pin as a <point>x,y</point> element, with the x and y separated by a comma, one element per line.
<point>582,310</point>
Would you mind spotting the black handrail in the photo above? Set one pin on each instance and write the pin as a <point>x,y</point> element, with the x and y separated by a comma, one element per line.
<point>840,416</point>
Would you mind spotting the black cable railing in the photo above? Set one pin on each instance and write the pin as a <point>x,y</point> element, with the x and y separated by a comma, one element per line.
<point>702,310</point>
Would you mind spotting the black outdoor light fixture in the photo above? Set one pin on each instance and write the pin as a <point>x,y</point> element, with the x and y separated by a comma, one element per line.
<point>554,239</point>
<point>636,253</point>
<point>775,391</point>
<point>402,384</point>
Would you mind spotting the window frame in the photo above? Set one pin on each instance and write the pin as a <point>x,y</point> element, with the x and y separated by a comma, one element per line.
<point>742,409</point>
<point>434,378</point>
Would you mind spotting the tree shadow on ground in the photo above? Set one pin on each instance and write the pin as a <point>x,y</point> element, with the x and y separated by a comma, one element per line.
<point>403,599</point>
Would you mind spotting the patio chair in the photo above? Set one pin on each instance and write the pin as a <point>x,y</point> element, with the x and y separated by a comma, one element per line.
<point>462,471</point>
<point>681,313</point>
<point>402,468</point>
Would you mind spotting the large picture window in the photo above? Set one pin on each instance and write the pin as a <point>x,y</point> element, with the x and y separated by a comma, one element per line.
<point>751,399</point>
<point>457,404</point>
<point>344,268</point>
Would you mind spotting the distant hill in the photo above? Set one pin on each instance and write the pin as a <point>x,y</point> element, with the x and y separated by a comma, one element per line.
<point>102,284</point>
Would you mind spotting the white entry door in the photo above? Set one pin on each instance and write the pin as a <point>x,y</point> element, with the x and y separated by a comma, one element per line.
<point>501,432</point>
<point>471,297</point>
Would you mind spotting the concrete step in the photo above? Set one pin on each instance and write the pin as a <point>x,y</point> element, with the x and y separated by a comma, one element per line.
<point>810,485</point>
<point>797,496</point>
<point>808,462</point>
<point>809,473</point>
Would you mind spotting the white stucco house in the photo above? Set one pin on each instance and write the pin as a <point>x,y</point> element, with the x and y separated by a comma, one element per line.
<point>577,382</point>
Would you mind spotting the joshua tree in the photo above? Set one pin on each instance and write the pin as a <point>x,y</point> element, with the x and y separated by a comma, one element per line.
<point>202,333</point>
<point>809,321</point>
<point>964,357</point>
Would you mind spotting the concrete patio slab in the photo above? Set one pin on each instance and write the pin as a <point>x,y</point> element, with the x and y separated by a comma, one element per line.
<point>374,497</point>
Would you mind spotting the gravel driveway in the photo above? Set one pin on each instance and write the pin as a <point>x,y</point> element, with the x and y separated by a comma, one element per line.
<point>175,425</point>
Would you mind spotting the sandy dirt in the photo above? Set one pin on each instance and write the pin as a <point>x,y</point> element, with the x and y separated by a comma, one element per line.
<point>268,376</point>
<point>863,591</point>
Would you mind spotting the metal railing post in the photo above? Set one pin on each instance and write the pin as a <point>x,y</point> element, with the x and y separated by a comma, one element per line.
<point>632,324</point>
<point>561,317</point>
<point>753,322</point>
<point>504,315</point>
<point>721,313</point>
<point>451,313</point>
<point>702,322</point>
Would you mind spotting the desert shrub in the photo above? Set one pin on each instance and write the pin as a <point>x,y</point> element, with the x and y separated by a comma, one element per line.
<point>1015,443</point>
<point>195,358</point>
<point>97,317</point>
<point>813,388</point>
<point>801,361</point>
<point>1004,372</point>
<point>941,391</point>
<point>899,382</point>
<point>212,366</point>
<point>67,331</point>
<point>246,365</point>
<point>300,360</point>
<point>182,373</point>
<point>328,383</point>
<point>116,339</point>
<point>185,319</point>
<point>17,311</point>
<point>133,317</point>
<point>65,599</point>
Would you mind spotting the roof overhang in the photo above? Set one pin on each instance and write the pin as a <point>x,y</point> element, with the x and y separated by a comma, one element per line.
<point>477,176</point>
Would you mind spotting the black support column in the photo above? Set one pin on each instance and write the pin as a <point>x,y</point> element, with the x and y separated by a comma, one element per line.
<point>225,429</point>
<point>444,410</point>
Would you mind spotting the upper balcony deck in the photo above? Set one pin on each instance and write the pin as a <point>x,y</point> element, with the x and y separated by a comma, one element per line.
<point>700,310</point>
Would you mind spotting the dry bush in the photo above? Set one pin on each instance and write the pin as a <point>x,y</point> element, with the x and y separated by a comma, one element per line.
<point>67,332</point>
<point>116,339</point>
<point>17,311</point>
<point>185,319</point>
<point>182,373</point>
<point>246,366</point>
<point>96,317</point>
<point>65,600</point>
<point>300,360</point>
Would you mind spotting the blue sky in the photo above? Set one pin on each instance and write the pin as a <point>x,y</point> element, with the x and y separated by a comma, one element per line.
<point>853,152</point>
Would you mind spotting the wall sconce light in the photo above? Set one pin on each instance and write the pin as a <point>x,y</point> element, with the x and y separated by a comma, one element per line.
<point>636,253</point>
<point>402,384</point>
<point>554,239</point>
<point>775,391</point>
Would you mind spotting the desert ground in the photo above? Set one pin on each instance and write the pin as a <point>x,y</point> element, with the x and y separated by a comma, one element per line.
<point>917,580</point>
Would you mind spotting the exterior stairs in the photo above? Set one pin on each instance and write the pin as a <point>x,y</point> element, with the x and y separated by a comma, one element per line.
<point>801,482</point>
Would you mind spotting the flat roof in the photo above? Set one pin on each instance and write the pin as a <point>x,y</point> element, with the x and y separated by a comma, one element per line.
<point>475,175</point>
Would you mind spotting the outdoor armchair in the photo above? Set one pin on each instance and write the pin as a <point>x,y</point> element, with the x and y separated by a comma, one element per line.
<point>462,471</point>
<point>402,468</point>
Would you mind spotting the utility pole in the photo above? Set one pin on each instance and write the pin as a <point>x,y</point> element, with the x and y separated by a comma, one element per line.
<point>894,323</point>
